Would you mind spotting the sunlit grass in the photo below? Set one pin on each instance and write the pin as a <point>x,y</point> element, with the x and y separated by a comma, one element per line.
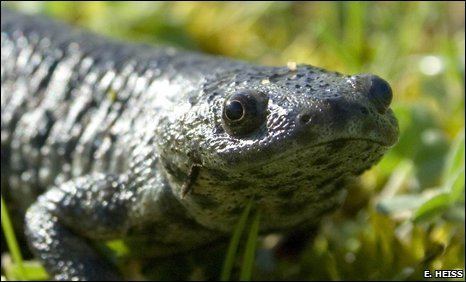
<point>11,238</point>
<point>15,267</point>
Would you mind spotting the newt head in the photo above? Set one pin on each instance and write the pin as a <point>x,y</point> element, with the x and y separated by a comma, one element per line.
<point>286,136</point>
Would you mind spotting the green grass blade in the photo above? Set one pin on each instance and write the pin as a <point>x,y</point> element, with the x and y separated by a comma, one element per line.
<point>11,238</point>
<point>455,157</point>
<point>456,186</point>
<point>250,250</point>
<point>432,207</point>
<point>233,247</point>
<point>354,31</point>
<point>31,270</point>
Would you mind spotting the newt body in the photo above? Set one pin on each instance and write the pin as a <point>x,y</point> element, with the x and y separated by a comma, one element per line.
<point>106,140</point>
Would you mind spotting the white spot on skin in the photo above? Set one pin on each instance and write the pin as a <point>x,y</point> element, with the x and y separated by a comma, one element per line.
<point>351,82</point>
<point>291,66</point>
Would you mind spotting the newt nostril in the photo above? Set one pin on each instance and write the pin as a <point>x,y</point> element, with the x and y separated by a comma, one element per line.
<point>379,93</point>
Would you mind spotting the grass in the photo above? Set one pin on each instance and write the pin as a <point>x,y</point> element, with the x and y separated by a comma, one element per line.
<point>406,214</point>
<point>16,268</point>
<point>249,249</point>
<point>11,240</point>
<point>234,242</point>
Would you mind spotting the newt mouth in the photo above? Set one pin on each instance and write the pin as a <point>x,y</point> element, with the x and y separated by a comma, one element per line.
<point>381,143</point>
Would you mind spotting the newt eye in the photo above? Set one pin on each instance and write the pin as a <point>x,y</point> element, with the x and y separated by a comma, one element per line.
<point>244,112</point>
<point>234,110</point>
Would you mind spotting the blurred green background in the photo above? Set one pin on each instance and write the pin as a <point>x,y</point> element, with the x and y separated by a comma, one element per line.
<point>407,213</point>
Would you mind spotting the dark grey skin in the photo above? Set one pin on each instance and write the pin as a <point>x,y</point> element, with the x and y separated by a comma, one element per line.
<point>103,140</point>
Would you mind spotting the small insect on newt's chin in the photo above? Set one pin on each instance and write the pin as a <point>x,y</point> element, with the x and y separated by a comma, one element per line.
<point>104,140</point>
